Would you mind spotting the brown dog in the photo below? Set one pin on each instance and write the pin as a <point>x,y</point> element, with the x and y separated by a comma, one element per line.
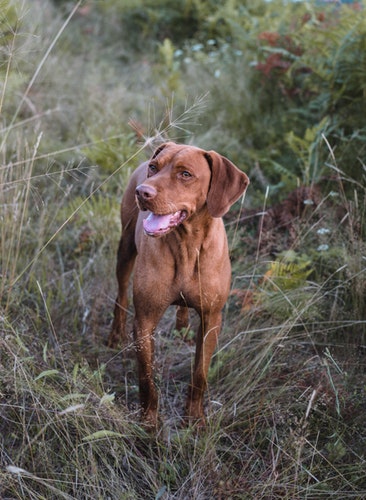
<point>179,243</point>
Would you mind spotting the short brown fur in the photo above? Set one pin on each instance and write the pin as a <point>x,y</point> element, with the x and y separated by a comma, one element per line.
<point>188,266</point>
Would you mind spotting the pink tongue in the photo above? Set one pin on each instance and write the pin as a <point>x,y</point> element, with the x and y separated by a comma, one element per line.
<point>155,223</point>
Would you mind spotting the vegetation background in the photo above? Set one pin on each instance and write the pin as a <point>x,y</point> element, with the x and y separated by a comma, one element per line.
<point>86,90</point>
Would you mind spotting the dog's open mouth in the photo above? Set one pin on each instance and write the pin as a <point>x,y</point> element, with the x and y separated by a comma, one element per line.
<point>157,225</point>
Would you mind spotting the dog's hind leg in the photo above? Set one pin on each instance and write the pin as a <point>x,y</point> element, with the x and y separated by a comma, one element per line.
<point>125,261</point>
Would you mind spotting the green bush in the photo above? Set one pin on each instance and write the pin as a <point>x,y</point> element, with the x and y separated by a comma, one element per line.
<point>275,74</point>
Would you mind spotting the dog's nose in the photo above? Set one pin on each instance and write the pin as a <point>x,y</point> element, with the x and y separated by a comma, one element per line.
<point>145,192</point>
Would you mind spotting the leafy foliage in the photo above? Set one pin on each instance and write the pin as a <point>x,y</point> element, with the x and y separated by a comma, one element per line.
<point>287,272</point>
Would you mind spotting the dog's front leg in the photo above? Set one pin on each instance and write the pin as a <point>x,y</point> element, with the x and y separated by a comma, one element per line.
<point>144,345</point>
<point>205,345</point>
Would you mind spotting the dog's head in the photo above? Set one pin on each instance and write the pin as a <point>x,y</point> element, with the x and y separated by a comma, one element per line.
<point>181,180</point>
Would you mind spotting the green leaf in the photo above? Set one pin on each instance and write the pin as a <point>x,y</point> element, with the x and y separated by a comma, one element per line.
<point>107,399</point>
<point>47,373</point>
<point>103,434</point>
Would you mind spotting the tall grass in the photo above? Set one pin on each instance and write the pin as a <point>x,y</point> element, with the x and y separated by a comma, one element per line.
<point>286,395</point>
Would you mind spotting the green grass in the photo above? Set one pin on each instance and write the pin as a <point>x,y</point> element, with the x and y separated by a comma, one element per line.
<point>286,396</point>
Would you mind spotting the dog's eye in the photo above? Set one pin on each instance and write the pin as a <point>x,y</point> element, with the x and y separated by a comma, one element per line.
<point>185,174</point>
<point>152,169</point>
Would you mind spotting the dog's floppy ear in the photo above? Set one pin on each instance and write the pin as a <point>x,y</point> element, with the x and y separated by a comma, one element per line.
<point>228,183</point>
<point>160,149</point>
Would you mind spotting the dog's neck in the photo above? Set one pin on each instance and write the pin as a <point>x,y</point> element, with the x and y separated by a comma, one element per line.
<point>195,235</point>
